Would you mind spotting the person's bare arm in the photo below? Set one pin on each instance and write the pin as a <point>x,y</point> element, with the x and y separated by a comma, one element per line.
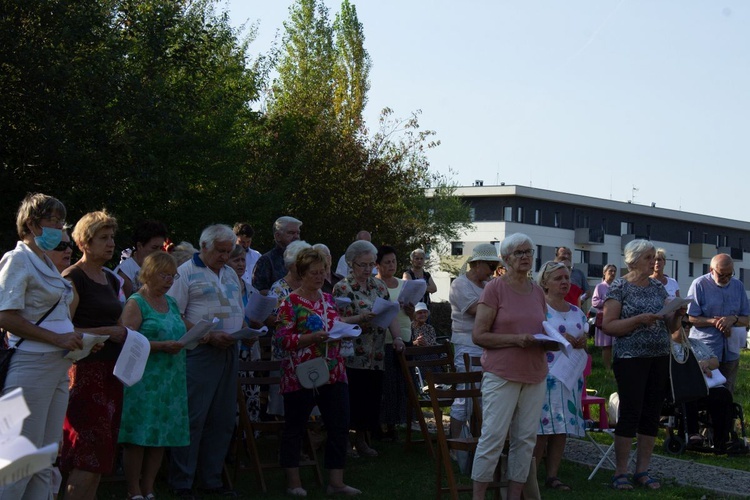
<point>614,326</point>
<point>483,337</point>
<point>12,321</point>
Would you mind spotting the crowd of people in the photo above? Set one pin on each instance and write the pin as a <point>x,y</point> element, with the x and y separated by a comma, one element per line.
<point>186,399</point>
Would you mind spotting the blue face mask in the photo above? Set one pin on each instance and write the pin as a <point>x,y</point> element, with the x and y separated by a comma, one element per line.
<point>49,239</point>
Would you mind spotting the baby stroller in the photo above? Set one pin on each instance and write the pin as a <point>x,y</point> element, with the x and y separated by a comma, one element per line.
<point>677,440</point>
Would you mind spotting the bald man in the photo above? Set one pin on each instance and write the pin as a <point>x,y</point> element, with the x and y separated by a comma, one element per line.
<point>342,268</point>
<point>719,309</point>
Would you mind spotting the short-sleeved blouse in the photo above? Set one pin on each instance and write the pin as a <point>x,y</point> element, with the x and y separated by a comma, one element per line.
<point>299,316</point>
<point>517,313</point>
<point>369,347</point>
<point>645,341</point>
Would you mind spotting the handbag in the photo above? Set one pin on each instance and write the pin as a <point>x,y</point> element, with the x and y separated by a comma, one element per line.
<point>314,373</point>
<point>685,374</point>
<point>7,353</point>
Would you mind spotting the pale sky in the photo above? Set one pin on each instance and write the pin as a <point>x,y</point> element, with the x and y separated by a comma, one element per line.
<point>586,97</point>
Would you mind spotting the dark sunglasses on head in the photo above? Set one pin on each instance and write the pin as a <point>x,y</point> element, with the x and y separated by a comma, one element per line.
<point>65,244</point>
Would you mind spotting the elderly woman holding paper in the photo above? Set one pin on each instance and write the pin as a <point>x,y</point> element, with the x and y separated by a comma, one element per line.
<point>641,359</point>
<point>34,305</point>
<point>510,312</point>
<point>92,422</point>
<point>365,367</point>
<point>306,317</point>
<point>561,411</point>
<point>154,410</point>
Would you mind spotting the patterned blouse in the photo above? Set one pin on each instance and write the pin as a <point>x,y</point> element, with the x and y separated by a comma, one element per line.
<point>299,316</point>
<point>423,335</point>
<point>369,347</point>
<point>644,341</point>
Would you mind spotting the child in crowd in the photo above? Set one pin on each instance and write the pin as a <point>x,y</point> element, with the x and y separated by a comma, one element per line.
<point>422,334</point>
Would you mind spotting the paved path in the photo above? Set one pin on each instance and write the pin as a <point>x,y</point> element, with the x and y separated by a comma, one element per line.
<point>685,472</point>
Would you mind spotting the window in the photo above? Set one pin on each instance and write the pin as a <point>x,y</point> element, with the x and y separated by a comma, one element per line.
<point>457,248</point>
<point>582,220</point>
<point>726,241</point>
<point>690,240</point>
<point>508,214</point>
<point>472,214</point>
<point>626,228</point>
<point>676,268</point>
<point>690,270</point>
<point>519,214</point>
<point>717,240</point>
<point>557,219</point>
<point>604,226</point>
<point>538,260</point>
<point>537,217</point>
<point>648,231</point>
<point>705,268</point>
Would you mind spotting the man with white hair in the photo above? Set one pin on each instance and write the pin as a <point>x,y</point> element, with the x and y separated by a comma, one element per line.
<point>208,289</point>
<point>270,267</point>
<point>719,306</point>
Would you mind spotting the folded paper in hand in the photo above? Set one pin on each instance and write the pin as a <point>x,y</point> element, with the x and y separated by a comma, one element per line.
<point>412,291</point>
<point>341,330</point>
<point>249,333</point>
<point>385,311</point>
<point>197,332</point>
<point>89,341</point>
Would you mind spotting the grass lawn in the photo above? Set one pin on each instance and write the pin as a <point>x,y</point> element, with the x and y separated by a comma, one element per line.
<point>397,474</point>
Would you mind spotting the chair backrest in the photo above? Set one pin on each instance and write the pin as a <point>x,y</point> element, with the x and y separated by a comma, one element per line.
<point>452,385</point>
<point>261,372</point>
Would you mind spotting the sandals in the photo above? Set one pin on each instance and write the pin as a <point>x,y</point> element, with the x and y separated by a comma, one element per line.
<point>648,481</point>
<point>555,484</point>
<point>621,482</point>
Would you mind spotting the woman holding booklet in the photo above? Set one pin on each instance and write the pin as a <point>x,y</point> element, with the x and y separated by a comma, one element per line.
<point>510,312</point>
<point>633,315</point>
<point>305,320</point>
<point>561,409</point>
<point>155,410</point>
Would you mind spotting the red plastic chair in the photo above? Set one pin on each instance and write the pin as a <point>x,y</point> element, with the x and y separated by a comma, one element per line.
<point>587,401</point>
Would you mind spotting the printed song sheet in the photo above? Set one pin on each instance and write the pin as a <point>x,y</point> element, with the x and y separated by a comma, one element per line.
<point>197,332</point>
<point>385,311</point>
<point>89,341</point>
<point>259,307</point>
<point>412,291</point>
<point>132,359</point>
<point>19,457</point>
<point>568,369</point>
<point>341,330</point>
<point>249,333</point>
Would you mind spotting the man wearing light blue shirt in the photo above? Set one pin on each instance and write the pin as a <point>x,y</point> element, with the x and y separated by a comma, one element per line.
<point>719,304</point>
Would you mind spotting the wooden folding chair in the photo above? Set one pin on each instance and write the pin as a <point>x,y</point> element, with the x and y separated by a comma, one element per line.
<point>410,359</point>
<point>443,387</point>
<point>264,374</point>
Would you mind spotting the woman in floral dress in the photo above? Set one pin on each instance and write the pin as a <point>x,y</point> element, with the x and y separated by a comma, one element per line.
<point>562,415</point>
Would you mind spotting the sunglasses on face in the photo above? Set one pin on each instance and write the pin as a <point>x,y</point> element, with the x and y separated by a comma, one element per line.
<point>64,245</point>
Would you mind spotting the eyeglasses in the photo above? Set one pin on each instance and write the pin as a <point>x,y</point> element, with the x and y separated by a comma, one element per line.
<point>64,245</point>
<point>365,265</point>
<point>723,276</point>
<point>523,253</point>
<point>169,277</point>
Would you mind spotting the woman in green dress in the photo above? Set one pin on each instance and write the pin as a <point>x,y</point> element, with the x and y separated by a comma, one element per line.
<point>155,412</point>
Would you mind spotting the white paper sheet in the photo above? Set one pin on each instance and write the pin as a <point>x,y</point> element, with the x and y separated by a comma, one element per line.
<point>132,359</point>
<point>197,332</point>
<point>385,311</point>
<point>412,291</point>
<point>259,307</point>
<point>19,457</point>
<point>737,339</point>
<point>551,334</point>
<point>716,379</point>
<point>342,302</point>
<point>341,330</point>
<point>568,369</point>
<point>675,304</point>
<point>249,333</point>
<point>89,341</point>
<point>13,411</point>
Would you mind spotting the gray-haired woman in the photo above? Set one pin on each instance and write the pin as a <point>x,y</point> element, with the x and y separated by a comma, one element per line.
<point>365,367</point>
<point>30,288</point>
<point>417,272</point>
<point>641,359</point>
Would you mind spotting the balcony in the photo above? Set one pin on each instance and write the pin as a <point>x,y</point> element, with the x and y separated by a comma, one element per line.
<point>734,252</point>
<point>701,251</point>
<point>588,236</point>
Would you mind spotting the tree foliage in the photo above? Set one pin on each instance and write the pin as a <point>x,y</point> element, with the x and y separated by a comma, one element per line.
<point>145,107</point>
